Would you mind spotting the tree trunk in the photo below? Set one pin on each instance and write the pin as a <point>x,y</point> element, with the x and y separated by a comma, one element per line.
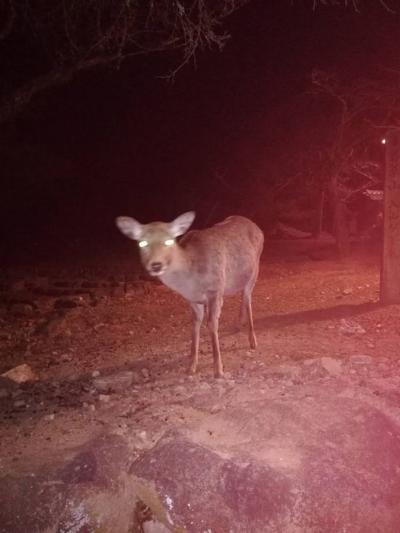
<point>390,269</point>
<point>340,226</point>
<point>319,217</point>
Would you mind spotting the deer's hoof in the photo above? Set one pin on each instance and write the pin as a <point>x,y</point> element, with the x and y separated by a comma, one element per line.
<point>192,370</point>
<point>253,343</point>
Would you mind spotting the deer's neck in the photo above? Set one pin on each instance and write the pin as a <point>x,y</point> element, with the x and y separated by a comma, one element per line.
<point>179,275</point>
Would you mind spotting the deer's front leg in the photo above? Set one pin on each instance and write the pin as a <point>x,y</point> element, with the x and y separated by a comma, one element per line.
<point>215,306</point>
<point>198,315</point>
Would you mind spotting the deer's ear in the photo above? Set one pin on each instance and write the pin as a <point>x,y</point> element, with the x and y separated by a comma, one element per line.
<point>181,224</point>
<point>130,227</point>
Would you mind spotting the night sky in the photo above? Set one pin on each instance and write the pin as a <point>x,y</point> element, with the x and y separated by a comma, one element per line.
<point>126,141</point>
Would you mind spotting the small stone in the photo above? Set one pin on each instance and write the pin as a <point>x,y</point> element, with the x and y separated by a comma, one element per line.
<point>50,417</point>
<point>309,362</point>
<point>288,370</point>
<point>154,526</point>
<point>104,397</point>
<point>332,366</point>
<point>95,373</point>
<point>145,373</point>
<point>347,291</point>
<point>361,359</point>
<point>20,374</point>
<point>348,327</point>
<point>114,382</point>
<point>19,403</point>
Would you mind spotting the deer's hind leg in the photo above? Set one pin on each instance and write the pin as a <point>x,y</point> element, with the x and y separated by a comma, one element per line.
<point>246,311</point>
<point>214,310</point>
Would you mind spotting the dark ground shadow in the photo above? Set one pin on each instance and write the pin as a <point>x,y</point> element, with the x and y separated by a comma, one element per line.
<point>314,315</point>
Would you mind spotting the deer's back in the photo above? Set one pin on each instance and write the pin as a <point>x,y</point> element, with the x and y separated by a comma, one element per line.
<point>226,254</point>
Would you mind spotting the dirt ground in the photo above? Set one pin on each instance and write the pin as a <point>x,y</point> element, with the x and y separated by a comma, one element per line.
<point>71,329</point>
<point>110,351</point>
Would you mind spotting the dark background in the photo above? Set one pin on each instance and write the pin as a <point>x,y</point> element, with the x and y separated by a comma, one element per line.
<point>128,142</point>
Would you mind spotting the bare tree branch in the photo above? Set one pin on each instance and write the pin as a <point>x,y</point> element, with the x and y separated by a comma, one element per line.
<point>64,37</point>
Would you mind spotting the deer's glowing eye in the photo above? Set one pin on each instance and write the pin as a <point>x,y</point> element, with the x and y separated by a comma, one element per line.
<point>169,242</point>
<point>143,244</point>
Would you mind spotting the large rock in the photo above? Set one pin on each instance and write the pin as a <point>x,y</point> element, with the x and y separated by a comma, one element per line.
<point>88,491</point>
<point>332,467</point>
<point>319,459</point>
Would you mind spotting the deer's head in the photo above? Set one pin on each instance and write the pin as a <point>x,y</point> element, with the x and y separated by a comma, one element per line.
<point>157,240</point>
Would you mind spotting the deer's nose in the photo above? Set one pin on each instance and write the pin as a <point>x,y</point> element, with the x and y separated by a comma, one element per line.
<point>156,266</point>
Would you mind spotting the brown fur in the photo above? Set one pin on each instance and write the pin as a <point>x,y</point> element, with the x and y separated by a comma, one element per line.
<point>203,267</point>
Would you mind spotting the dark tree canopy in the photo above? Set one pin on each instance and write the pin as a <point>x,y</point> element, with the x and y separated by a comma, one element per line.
<point>44,43</point>
<point>47,42</point>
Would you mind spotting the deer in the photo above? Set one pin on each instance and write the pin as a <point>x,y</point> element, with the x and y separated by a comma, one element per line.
<point>203,266</point>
